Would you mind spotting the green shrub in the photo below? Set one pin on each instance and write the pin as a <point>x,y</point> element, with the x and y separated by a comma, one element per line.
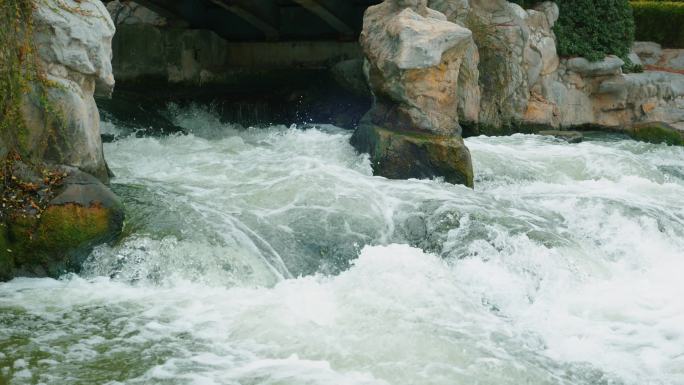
<point>659,21</point>
<point>594,28</point>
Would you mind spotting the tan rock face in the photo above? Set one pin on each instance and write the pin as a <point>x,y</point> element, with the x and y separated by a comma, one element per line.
<point>413,58</point>
<point>514,49</point>
<point>414,63</point>
<point>74,46</point>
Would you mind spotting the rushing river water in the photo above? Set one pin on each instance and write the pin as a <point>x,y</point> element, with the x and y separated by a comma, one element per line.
<point>273,256</point>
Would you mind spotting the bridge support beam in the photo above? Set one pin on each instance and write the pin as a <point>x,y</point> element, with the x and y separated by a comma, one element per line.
<point>271,32</point>
<point>328,16</point>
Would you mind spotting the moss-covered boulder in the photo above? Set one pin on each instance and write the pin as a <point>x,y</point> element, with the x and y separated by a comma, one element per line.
<point>52,218</point>
<point>657,132</point>
<point>411,154</point>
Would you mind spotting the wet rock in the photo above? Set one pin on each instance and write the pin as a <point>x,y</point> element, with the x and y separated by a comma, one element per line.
<point>635,59</point>
<point>416,228</point>
<point>414,56</point>
<point>50,224</point>
<point>658,132</point>
<point>349,75</point>
<point>568,136</point>
<point>410,154</point>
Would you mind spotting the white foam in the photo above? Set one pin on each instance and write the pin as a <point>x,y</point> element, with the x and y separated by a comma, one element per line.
<point>562,267</point>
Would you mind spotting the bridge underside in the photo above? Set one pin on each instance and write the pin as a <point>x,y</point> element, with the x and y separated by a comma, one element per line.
<point>268,20</point>
<point>259,61</point>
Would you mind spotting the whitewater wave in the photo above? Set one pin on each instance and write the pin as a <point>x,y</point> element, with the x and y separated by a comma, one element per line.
<point>273,256</point>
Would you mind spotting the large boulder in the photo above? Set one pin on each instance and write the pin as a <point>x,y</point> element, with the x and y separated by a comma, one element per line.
<point>73,40</point>
<point>55,207</point>
<point>514,51</point>
<point>599,94</point>
<point>413,60</point>
<point>410,154</point>
<point>501,34</point>
<point>52,217</point>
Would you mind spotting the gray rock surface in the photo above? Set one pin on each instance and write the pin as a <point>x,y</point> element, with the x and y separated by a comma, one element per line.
<point>414,56</point>
<point>648,51</point>
<point>74,46</point>
<point>611,65</point>
<point>414,62</point>
<point>130,13</point>
<point>61,141</point>
<point>653,54</point>
<point>54,237</point>
<point>349,74</point>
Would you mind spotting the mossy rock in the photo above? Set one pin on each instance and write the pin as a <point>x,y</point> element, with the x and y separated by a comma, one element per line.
<point>409,154</point>
<point>568,136</point>
<point>56,239</point>
<point>657,132</point>
<point>6,255</point>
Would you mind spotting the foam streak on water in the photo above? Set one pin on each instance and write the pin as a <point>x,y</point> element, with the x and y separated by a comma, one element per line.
<point>273,256</point>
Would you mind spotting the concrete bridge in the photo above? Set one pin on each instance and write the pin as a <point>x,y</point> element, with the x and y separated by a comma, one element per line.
<point>268,20</point>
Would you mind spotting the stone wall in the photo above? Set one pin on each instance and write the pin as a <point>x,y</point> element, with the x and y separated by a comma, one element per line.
<point>652,54</point>
<point>523,82</point>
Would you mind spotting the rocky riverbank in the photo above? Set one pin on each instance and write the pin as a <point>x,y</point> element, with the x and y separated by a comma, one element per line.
<point>56,205</point>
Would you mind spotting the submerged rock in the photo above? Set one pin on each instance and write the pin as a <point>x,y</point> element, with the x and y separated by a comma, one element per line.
<point>657,132</point>
<point>413,59</point>
<point>51,219</point>
<point>568,136</point>
<point>410,154</point>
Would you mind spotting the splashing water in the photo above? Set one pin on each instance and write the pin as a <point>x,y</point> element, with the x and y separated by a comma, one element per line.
<point>273,256</point>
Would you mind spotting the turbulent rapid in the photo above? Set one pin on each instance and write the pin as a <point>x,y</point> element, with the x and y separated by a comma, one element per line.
<point>273,256</point>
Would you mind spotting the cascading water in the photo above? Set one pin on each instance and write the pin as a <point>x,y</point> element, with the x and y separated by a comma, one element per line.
<point>273,256</point>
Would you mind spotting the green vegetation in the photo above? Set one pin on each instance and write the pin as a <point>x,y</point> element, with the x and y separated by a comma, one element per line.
<point>35,233</point>
<point>17,62</point>
<point>660,21</point>
<point>658,133</point>
<point>21,74</point>
<point>594,28</point>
